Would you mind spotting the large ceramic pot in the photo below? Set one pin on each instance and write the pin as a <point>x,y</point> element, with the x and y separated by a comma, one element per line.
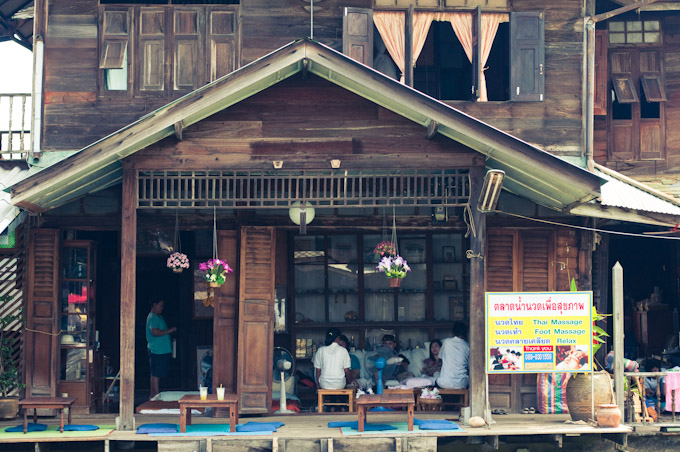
<point>9,408</point>
<point>578,394</point>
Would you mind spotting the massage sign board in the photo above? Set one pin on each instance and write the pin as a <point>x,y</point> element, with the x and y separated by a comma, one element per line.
<point>537,332</point>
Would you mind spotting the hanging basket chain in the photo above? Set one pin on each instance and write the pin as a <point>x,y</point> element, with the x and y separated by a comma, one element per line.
<point>394,230</point>
<point>214,254</point>
<point>178,240</point>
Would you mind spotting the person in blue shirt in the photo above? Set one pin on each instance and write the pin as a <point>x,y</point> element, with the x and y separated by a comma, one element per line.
<point>158,346</point>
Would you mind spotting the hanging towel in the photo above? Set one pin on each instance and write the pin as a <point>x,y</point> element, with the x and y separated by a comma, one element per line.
<point>672,380</point>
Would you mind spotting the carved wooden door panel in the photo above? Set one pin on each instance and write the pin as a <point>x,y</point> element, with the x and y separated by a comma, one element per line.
<point>256,318</point>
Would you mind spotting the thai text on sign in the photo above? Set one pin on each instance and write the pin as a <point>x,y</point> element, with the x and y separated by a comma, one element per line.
<point>532,332</point>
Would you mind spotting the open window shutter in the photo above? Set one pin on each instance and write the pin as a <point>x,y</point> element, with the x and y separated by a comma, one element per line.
<point>500,260</point>
<point>357,35</point>
<point>224,320</point>
<point>256,318</point>
<point>600,107</point>
<point>42,311</point>
<point>476,51</point>
<point>222,26</point>
<point>527,79</point>
<point>188,43</point>
<point>652,129</point>
<point>152,45</point>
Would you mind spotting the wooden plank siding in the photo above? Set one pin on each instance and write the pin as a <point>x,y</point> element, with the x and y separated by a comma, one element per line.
<point>304,133</point>
<point>75,114</point>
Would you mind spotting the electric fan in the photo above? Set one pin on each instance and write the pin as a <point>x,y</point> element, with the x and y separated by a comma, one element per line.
<point>284,376</point>
<point>382,361</point>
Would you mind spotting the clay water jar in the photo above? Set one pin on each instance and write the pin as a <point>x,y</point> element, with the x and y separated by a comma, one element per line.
<point>608,415</point>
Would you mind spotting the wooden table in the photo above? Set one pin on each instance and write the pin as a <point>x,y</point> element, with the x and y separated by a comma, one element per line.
<point>188,402</point>
<point>54,403</point>
<point>366,401</point>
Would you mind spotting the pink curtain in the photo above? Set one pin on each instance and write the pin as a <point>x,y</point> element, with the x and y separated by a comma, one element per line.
<point>462,27</point>
<point>421,27</point>
<point>390,25</point>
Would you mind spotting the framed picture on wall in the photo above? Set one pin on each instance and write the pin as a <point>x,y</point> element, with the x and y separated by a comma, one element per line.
<point>449,253</point>
<point>203,307</point>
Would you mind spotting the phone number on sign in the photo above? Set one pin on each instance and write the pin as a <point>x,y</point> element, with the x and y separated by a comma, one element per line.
<point>538,357</point>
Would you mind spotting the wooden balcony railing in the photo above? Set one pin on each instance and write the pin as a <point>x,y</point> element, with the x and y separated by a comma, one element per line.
<point>15,126</point>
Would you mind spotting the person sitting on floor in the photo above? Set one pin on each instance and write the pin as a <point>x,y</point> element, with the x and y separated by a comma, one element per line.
<point>388,349</point>
<point>432,366</point>
<point>332,363</point>
<point>455,355</point>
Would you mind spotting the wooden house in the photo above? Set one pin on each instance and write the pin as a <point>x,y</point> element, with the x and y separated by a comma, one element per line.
<point>205,117</point>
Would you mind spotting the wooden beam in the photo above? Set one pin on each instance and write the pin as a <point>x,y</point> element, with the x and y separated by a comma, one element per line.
<point>432,127</point>
<point>478,395</point>
<point>624,9</point>
<point>179,126</point>
<point>408,48</point>
<point>128,265</point>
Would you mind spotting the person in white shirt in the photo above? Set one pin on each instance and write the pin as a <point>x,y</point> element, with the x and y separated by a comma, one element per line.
<point>455,356</point>
<point>332,363</point>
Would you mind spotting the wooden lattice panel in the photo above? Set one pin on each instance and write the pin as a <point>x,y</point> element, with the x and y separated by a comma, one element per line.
<point>280,189</point>
<point>12,266</point>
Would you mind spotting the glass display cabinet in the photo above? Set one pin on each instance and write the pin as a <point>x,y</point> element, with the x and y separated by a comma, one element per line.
<point>336,284</point>
<point>77,369</point>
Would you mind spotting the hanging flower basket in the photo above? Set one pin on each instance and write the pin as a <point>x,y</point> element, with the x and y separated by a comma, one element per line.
<point>215,271</point>
<point>177,262</point>
<point>385,249</point>
<point>395,268</point>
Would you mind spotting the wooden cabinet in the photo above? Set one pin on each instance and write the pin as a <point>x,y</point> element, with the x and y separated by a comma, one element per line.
<point>78,372</point>
<point>336,284</point>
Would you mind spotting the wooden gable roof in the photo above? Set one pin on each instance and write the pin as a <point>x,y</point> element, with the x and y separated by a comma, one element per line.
<point>531,172</point>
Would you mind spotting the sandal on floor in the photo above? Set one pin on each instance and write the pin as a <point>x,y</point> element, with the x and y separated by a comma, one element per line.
<point>498,411</point>
<point>529,410</point>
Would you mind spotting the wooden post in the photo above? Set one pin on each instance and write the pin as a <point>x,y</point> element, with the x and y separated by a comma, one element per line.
<point>408,50</point>
<point>617,297</point>
<point>478,399</point>
<point>128,270</point>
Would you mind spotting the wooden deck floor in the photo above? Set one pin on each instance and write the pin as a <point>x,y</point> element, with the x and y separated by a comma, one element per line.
<point>310,426</point>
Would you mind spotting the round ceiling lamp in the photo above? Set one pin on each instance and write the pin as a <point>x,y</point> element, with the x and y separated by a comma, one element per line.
<point>301,213</point>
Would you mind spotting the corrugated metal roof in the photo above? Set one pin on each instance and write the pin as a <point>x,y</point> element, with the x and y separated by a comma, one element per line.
<point>621,191</point>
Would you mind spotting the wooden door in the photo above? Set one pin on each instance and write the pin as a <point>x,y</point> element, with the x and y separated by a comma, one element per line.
<point>42,313</point>
<point>224,322</point>
<point>518,261</point>
<point>256,318</point>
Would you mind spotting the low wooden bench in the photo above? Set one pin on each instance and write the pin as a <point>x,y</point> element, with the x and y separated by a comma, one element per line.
<point>349,393</point>
<point>56,403</point>
<point>188,402</point>
<point>461,397</point>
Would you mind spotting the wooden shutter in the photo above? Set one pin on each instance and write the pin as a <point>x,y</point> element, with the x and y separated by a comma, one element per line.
<point>42,313</point>
<point>221,35</point>
<point>224,321</point>
<point>115,31</point>
<point>600,107</point>
<point>622,145</point>
<point>476,51</point>
<point>188,28</point>
<point>357,35</point>
<point>500,261</point>
<point>256,318</point>
<point>536,271</point>
<point>652,129</point>
<point>152,45</point>
<point>527,79</point>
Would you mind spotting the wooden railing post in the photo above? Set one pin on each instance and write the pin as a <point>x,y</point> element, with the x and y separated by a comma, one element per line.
<point>617,297</point>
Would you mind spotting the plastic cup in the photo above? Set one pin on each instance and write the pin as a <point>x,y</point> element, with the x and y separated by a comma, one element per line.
<point>220,393</point>
<point>203,391</point>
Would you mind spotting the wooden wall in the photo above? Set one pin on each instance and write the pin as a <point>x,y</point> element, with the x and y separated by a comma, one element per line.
<point>660,174</point>
<point>556,123</point>
<point>305,123</point>
<point>75,115</point>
